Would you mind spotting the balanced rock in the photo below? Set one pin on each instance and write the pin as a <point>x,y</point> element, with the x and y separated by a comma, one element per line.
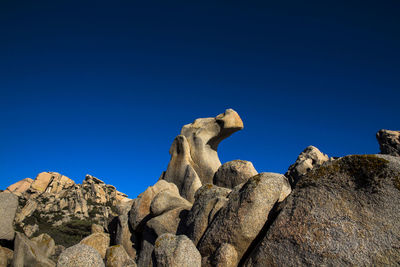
<point>309,159</point>
<point>233,173</point>
<point>241,220</point>
<point>27,253</point>
<point>116,256</point>
<point>80,255</point>
<point>176,251</point>
<point>98,241</point>
<point>344,213</point>
<point>389,142</point>
<point>20,187</point>
<point>8,208</point>
<point>194,157</point>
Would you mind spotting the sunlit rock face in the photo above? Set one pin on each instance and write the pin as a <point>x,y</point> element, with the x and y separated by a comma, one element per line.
<point>194,156</point>
<point>389,142</point>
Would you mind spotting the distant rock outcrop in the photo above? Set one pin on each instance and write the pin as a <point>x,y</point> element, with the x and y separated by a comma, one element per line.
<point>389,142</point>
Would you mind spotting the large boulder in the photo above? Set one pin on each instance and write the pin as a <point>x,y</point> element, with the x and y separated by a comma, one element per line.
<point>98,241</point>
<point>51,182</point>
<point>80,255</point>
<point>194,157</point>
<point>120,234</point>
<point>345,213</point>
<point>209,200</point>
<point>168,222</point>
<point>45,244</point>
<point>20,187</point>
<point>233,173</point>
<point>176,251</point>
<point>6,257</point>
<point>240,221</point>
<point>27,253</point>
<point>166,201</point>
<point>389,142</point>
<point>116,256</point>
<point>309,159</point>
<point>8,208</point>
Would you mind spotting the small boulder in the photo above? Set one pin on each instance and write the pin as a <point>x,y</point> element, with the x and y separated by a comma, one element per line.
<point>167,200</point>
<point>27,253</point>
<point>176,251</point>
<point>80,255</point>
<point>309,159</point>
<point>8,208</point>
<point>45,244</point>
<point>233,173</point>
<point>98,241</point>
<point>389,142</point>
<point>116,256</point>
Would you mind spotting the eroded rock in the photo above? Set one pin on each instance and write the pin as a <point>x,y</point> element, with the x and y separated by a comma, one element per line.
<point>98,241</point>
<point>80,255</point>
<point>27,253</point>
<point>8,208</point>
<point>389,142</point>
<point>233,173</point>
<point>116,256</point>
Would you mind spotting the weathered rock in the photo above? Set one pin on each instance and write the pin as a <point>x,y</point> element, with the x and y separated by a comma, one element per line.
<point>51,182</point>
<point>97,228</point>
<point>6,257</point>
<point>26,253</point>
<point>8,208</point>
<point>194,157</point>
<point>389,142</point>
<point>225,256</point>
<point>241,220</point>
<point>80,255</point>
<point>180,169</point>
<point>30,206</point>
<point>98,241</point>
<point>141,205</point>
<point>309,159</point>
<point>45,244</point>
<point>176,251</point>
<point>168,222</point>
<point>116,256</point>
<point>30,229</point>
<point>233,173</point>
<point>120,234</point>
<point>209,199</point>
<point>166,201</point>
<point>344,213</point>
<point>20,187</point>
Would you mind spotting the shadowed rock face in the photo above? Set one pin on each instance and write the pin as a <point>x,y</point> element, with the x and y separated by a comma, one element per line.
<point>194,157</point>
<point>389,142</point>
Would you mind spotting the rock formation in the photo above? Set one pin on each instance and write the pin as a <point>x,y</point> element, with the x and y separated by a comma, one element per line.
<point>322,212</point>
<point>389,142</point>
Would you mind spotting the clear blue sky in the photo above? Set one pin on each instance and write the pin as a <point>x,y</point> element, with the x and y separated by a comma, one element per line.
<point>103,87</point>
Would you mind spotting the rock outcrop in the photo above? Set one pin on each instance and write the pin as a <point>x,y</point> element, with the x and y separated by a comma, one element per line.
<point>8,208</point>
<point>309,159</point>
<point>389,142</point>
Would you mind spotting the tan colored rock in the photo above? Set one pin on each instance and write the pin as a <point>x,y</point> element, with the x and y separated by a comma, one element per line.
<point>167,200</point>
<point>45,244</point>
<point>141,205</point>
<point>123,235</point>
<point>80,255</point>
<point>233,173</point>
<point>241,220</point>
<point>97,228</point>
<point>27,253</point>
<point>51,182</point>
<point>389,142</point>
<point>225,256</point>
<point>176,251</point>
<point>20,187</point>
<point>8,208</point>
<point>6,256</point>
<point>98,241</point>
<point>167,222</point>
<point>116,256</point>
<point>27,210</point>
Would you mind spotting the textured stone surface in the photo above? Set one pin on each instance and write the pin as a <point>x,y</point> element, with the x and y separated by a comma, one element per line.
<point>80,255</point>
<point>389,142</point>
<point>240,221</point>
<point>176,251</point>
<point>6,257</point>
<point>45,244</point>
<point>98,241</point>
<point>97,228</point>
<point>309,159</point>
<point>8,208</point>
<point>166,201</point>
<point>122,235</point>
<point>225,256</point>
<point>26,253</point>
<point>116,256</point>
<point>20,187</point>
<point>51,182</point>
<point>168,222</point>
<point>233,173</point>
<point>345,213</point>
<point>209,200</point>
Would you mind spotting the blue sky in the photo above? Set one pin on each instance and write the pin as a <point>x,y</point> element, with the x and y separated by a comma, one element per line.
<point>103,87</point>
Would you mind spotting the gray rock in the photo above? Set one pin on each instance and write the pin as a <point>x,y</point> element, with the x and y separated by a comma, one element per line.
<point>8,208</point>
<point>209,200</point>
<point>80,255</point>
<point>123,236</point>
<point>176,251</point>
<point>389,142</point>
<point>309,159</point>
<point>45,244</point>
<point>344,213</point>
<point>233,173</point>
<point>98,241</point>
<point>116,256</point>
<point>168,222</point>
<point>241,220</point>
<point>166,201</point>
<point>6,257</point>
<point>225,256</point>
<point>27,253</point>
